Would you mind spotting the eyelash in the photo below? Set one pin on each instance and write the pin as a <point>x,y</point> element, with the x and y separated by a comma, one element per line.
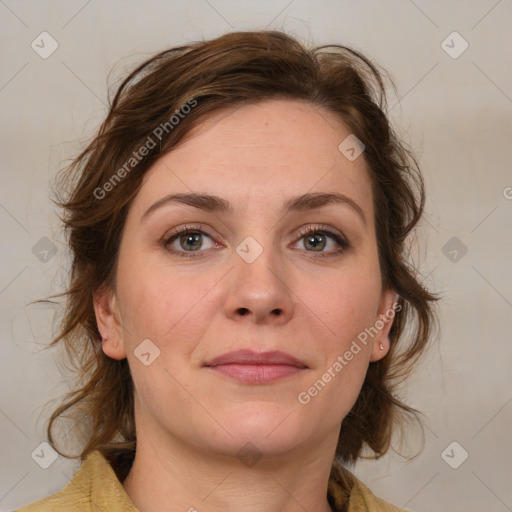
<point>308,230</point>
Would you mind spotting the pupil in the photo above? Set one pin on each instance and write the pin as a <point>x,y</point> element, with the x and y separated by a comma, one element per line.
<point>192,238</point>
<point>312,238</point>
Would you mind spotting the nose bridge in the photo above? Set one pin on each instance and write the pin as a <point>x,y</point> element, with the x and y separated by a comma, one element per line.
<point>258,284</point>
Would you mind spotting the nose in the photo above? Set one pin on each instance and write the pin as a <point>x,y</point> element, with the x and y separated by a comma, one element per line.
<point>259,292</point>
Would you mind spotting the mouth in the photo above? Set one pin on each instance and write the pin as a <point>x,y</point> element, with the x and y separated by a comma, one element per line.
<point>256,368</point>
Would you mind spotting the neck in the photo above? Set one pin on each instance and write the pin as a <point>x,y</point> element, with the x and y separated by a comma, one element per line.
<point>169,476</point>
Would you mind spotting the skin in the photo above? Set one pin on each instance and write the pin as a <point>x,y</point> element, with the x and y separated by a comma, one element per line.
<point>192,422</point>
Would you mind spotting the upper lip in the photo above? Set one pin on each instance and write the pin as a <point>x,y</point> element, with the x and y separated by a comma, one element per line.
<point>255,358</point>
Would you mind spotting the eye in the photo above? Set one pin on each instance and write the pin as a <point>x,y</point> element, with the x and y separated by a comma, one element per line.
<point>317,238</point>
<point>187,240</point>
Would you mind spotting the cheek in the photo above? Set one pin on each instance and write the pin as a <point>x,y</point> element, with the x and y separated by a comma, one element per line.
<point>162,305</point>
<point>346,308</point>
<point>342,307</point>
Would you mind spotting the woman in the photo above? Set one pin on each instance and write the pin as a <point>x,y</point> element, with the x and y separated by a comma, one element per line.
<point>239,289</point>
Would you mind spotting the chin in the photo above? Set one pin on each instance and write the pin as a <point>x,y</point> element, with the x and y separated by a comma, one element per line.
<point>264,425</point>
<point>256,446</point>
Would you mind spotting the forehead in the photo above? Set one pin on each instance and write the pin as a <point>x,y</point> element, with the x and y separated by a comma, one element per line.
<point>261,154</point>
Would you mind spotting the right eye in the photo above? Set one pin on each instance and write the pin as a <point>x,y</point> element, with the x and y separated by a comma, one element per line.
<point>187,240</point>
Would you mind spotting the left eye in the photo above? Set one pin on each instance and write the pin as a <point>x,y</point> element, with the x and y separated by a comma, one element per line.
<point>317,239</point>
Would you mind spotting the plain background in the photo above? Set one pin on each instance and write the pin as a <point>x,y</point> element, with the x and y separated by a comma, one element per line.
<point>454,112</point>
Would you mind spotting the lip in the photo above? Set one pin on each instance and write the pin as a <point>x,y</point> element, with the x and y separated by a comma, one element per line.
<point>256,368</point>
<point>274,357</point>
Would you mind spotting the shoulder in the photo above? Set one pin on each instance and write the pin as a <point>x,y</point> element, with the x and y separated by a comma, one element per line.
<point>95,484</point>
<point>59,502</point>
<point>71,497</point>
<point>363,500</point>
<point>349,494</point>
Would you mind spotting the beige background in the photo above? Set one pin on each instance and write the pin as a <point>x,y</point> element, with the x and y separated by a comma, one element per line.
<point>456,114</point>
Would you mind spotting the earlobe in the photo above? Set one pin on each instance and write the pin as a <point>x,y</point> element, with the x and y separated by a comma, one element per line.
<point>105,309</point>
<point>388,307</point>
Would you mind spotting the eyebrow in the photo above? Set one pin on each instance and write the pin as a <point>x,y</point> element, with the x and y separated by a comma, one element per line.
<point>304,202</point>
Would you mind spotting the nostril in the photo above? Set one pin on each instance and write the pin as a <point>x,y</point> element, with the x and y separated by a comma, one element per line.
<point>243,311</point>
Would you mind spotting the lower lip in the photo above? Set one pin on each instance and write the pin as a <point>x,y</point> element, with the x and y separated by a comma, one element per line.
<point>256,373</point>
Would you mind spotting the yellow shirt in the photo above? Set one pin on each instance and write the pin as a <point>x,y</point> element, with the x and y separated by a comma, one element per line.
<point>96,487</point>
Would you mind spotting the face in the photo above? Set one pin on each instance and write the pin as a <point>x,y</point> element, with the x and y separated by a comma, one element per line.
<point>259,271</point>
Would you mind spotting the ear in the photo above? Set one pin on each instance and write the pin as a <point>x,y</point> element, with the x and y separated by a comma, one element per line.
<point>384,320</point>
<point>107,318</point>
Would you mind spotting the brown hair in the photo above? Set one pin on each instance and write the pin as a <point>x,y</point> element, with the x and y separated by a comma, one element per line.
<point>235,69</point>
